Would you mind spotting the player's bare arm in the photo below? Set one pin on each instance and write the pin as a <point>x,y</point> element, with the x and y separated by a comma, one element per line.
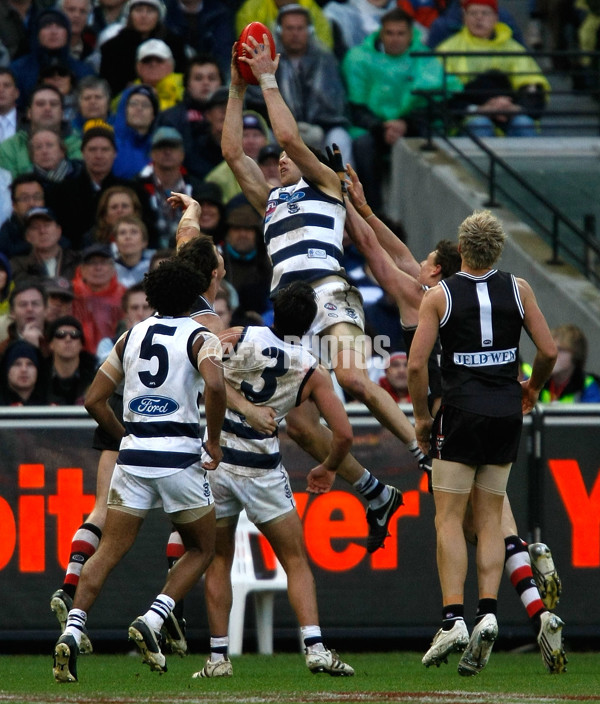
<point>398,251</point>
<point>189,224</point>
<point>107,378</point>
<point>246,170</point>
<point>283,123</point>
<point>260,418</point>
<point>320,390</point>
<point>207,351</point>
<point>430,314</point>
<point>404,288</point>
<point>537,328</point>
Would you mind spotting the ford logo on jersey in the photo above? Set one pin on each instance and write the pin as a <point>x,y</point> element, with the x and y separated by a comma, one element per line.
<point>153,405</point>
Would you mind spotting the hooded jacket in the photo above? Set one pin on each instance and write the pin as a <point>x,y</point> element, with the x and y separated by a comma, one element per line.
<point>523,70</point>
<point>380,85</point>
<point>133,148</point>
<point>27,68</point>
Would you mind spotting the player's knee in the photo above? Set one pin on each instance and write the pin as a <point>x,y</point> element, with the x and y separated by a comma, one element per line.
<point>355,383</point>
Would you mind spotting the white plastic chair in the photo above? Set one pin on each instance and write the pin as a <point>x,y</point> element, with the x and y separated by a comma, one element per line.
<point>244,580</point>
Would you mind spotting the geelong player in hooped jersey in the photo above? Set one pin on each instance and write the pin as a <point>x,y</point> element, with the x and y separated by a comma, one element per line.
<point>303,231</point>
<point>165,362</point>
<point>479,314</point>
<point>267,369</point>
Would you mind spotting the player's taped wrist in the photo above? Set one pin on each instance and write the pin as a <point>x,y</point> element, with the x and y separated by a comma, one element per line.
<point>267,80</point>
<point>364,210</point>
<point>236,92</point>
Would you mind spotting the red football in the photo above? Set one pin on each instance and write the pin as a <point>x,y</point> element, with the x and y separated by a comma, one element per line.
<point>256,30</point>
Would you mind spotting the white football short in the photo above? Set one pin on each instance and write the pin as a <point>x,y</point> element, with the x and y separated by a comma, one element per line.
<point>337,302</point>
<point>187,489</point>
<point>265,497</point>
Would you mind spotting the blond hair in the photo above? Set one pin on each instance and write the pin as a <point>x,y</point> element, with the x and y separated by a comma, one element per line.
<point>481,239</point>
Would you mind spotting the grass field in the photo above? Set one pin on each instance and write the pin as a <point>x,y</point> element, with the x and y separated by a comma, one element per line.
<point>509,678</point>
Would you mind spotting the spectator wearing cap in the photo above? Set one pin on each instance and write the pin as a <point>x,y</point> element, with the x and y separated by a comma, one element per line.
<point>154,67</point>
<point>59,294</point>
<point>26,192</point>
<point>504,94</point>
<point>205,27</point>
<point>247,264</point>
<point>75,200</point>
<point>134,125</point>
<point>164,174</point>
<point>268,160</point>
<point>20,379</point>
<point>451,21</point>
<point>202,78</point>
<point>212,215</point>
<point>50,41</point>
<point>144,21</point>
<point>27,304</point>
<point>206,153</point>
<point>47,258</point>
<point>254,137</point>
<point>69,370</point>
<point>98,295</point>
<point>45,110</point>
<point>132,258</point>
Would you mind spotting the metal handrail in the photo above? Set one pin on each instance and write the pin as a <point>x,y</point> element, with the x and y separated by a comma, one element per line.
<point>437,102</point>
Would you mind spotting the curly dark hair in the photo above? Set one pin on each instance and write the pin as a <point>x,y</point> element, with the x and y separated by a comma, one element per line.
<point>173,286</point>
<point>294,309</point>
<point>448,257</point>
<point>200,254</point>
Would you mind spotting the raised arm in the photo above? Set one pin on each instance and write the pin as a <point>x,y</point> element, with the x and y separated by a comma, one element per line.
<point>537,328</point>
<point>404,288</point>
<point>283,123</point>
<point>246,170</point>
<point>399,252</point>
<point>189,224</point>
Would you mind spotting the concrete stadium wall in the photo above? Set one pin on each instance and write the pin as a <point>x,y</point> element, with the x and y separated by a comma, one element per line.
<point>431,193</point>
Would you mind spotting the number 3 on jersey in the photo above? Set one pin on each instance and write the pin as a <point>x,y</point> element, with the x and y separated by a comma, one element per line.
<point>269,376</point>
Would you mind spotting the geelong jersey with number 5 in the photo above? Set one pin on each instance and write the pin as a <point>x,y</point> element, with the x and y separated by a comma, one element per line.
<point>160,397</point>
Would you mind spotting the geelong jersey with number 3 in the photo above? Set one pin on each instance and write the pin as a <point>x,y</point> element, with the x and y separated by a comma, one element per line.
<point>480,334</point>
<point>268,372</point>
<point>304,228</point>
<point>160,398</point>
